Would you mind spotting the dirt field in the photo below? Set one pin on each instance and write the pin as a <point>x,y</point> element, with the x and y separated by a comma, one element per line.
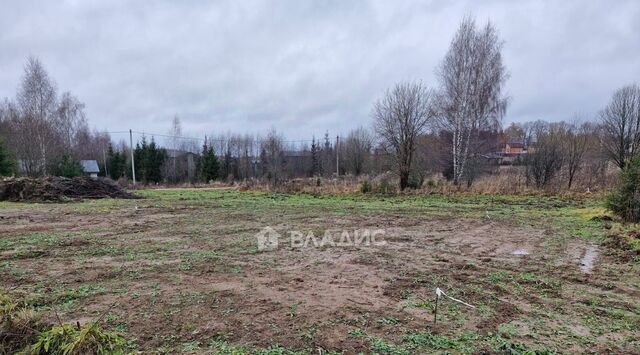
<point>180,271</point>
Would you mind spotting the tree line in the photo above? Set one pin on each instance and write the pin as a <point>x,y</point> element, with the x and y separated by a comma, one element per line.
<point>457,125</point>
<point>453,129</point>
<point>43,133</point>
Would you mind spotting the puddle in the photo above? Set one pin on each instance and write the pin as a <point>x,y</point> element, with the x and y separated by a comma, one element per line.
<point>521,252</point>
<point>589,257</point>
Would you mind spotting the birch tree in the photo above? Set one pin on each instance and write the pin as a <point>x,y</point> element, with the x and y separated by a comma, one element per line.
<point>472,76</point>
<point>175,144</point>
<point>70,120</point>
<point>36,103</point>
<point>403,114</point>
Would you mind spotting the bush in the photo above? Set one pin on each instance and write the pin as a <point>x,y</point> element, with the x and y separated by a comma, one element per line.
<point>624,201</point>
<point>365,187</point>
<point>415,182</point>
<point>385,188</point>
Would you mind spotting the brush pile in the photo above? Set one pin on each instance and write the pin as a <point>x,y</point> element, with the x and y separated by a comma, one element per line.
<point>53,188</point>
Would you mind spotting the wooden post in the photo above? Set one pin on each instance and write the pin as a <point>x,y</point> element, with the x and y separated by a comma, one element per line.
<point>435,313</point>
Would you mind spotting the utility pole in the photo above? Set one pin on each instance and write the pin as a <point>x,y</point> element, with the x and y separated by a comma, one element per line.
<point>337,156</point>
<point>104,159</point>
<point>133,163</point>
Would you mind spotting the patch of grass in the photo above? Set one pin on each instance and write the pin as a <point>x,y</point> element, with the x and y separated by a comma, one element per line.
<point>89,339</point>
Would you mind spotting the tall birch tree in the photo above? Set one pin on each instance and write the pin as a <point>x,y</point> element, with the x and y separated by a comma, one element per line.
<point>472,77</point>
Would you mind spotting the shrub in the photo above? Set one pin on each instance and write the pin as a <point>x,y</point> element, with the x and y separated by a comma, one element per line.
<point>68,339</point>
<point>415,182</point>
<point>624,201</point>
<point>385,188</point>
<point>365,187</point>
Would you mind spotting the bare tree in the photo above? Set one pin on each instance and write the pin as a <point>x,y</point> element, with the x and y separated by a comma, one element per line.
<point>471,79</point>
<point>357,148</point>
<point>533,128</point>
<point>515,133</point>
<point>36,105</point>
<point>69,120</point>
<point>547,157</point>
<point>175,145</point>
<point>621,124</point>
<point>596,158</point>
<point>5,118</point>
<point>400,117</point>
<point>272,157</point>
<point>577,138</point>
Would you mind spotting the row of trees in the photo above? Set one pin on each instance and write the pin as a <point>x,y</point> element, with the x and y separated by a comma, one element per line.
<point>43,132</point>
<point>464,114</point>
<point>453,129</point>
<point>468,101</point>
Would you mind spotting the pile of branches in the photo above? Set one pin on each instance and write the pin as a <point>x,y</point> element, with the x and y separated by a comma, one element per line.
<point>54,188</point>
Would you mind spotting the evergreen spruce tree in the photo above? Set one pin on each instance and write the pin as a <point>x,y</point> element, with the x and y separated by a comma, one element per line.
<point>116,163</point>
<point>315,158</point>
<point>625,199</point>
<point>6,164</point>
<point>209,163</point>
<point>66,166</point>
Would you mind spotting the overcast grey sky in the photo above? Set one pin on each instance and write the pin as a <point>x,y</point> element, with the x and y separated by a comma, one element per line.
<point>304,67</point>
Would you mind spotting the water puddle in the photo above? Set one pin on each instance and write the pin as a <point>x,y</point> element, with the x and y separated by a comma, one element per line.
<point>589,257</point>
<point>521,252</point>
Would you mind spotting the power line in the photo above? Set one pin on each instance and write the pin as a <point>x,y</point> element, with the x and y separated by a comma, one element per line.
<point>202,139</point>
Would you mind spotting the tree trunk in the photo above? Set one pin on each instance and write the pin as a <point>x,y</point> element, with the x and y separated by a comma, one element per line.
<point>404,180</point>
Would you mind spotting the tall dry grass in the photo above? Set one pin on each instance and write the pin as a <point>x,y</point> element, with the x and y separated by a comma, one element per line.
<point>509,180</point>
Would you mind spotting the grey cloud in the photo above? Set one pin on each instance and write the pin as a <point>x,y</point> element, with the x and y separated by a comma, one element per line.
<point>305,67</point>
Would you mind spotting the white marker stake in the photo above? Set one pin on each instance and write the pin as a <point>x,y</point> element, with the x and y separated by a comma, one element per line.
<point>440,293</point>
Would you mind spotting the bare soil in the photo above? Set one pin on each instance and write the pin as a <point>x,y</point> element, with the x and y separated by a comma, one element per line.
<point>170,274</point>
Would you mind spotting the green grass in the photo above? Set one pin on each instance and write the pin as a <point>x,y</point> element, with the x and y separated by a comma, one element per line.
<point>181,235</point>
<point>570,214</point>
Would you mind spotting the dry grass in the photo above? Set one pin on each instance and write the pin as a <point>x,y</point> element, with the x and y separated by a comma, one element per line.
<point>509,181</point>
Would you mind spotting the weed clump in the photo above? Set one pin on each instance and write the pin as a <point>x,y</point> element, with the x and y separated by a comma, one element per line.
<point>22,331</point>
<point>19,324</point>
<point>69,339</point>
<point>624,245</point>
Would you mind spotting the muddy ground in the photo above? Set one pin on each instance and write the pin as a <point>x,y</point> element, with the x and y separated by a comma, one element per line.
<point>183,272</point>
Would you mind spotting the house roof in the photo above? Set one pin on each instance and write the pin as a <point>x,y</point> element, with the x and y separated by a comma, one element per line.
<point>90,166</point>
<point>515,145</point>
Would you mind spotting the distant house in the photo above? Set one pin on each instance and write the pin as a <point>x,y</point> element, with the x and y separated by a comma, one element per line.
<point>514,148</point>
<point>90,168</point>
<point>510,153</point>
